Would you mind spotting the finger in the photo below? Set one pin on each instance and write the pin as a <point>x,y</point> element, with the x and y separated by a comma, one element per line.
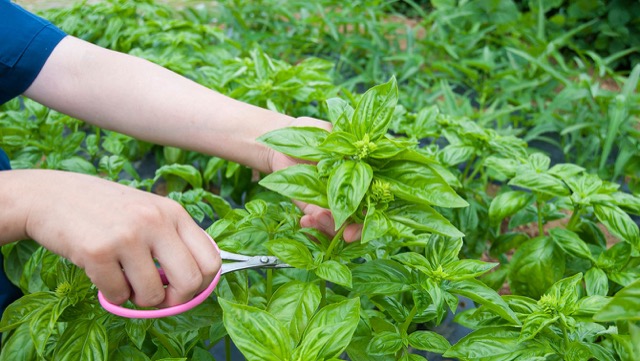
<point>110,280</point>
<point>144,278</point>
<point>180,267</point>
<point>320,219</point>
<point>204,252</point>
<point>352,233</point>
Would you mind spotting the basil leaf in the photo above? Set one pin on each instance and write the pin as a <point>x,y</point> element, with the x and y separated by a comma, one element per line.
<point>508,203</point>
<point>329,331</point>
<point>535,266</point>
<point>429,341</point>
<point>136,329</point>
<point>625,305</point>
<point>419,183</point>
<point>82,340</point>
<point>384,343</point>
<point>541,183</point>
<point>467,268</point>
<point>185,171</point>
<point>620,224</point>
<point>335,272</point>
<point>342,143</point>
<point>376,224</point>
<point>571,243</point>
<point>534,323</point>
<point>497,342</point>
<point>374,110</point>
<point>19,346</point>
<point>256,333</point>
<point>292,252</point>
<point>25,308</point>
<point>297,142</point>
<point>127,353</point>
<point>381,277</point>
<point>424,218</point>
<point>294,303</point>
<point>596,282</point>
<point>339,113</point>
<point>481,293</point>
<point>301,182</point>
<point>454,154</point>
<point>347,186</point>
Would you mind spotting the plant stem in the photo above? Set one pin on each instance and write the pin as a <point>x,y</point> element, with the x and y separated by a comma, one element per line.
<point>269,284</point>
<point>540,222</point>
<point>335,240</point>
<point>323,293</point>
<point>575,216</point>
<point>227,348</point>
<point>407,322</point>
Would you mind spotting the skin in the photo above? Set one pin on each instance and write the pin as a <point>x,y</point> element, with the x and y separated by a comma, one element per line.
<point>112,231</point>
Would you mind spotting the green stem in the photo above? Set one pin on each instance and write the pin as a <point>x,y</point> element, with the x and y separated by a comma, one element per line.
<point>269,283</point>
<point>335,240</point>
<point>540,222</point>
<point>164,341</point>
<point>227,348</point>
<point>407,322</point>
<point>323,293</point>
<point>575,216</point>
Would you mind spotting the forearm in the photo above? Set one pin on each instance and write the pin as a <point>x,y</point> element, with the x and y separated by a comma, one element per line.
<point>136,97</point>
<point>14,200</point>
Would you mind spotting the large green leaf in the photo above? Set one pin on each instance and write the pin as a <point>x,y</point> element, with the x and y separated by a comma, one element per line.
<point>294,303</point>
<point>620,224</point>
<point>25,308</point>
<point>298,142</point>
<point>424,218</point>
<point>83,340</point>
<point>384,343</point>
<point>347,186</point>
<point>381,277</point>
<point>374,110</point>
<point>507,204</point>
<point>481,293</point>
<point>329,331</point>
<point>256,333</point>
<point>571,243</point>
<point>535,266</point>
<point>291,252</point>
<point>429,341</point>
<point>335,272</point>
<point>19,347</point>
<point>301,182</point>
<point>419,183</point>
<point>540,183</point>
<point>497,343</point>
<point>625,305</point>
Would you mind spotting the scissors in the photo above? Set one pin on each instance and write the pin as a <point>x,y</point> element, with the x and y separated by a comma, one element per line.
<point>240,262</point>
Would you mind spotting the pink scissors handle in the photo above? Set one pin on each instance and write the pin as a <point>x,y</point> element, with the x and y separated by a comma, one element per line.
<point>163,312</point>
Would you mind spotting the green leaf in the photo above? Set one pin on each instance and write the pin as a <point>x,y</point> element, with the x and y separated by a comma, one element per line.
<point>185,171</point>
<point>424,218</point>
<point>419,183</point>
<point>534,323</point>
<point>535,266</point>
<point>78,165</point>
<point>376,224</point>
<point>625,305</point>
<point>25,308</point>
<point>381,277</point>
<point>467,268</point>
<point>83,340</point>
<point>490,343</point>
<point>136,329</point>
<point>596,282</point>
<point>297,142</point>
<point>339,112</point>
<point>455,154</point>
<point>301,182</point>
<point>541,183</point>
<point>374,110</point>
<point>384,343</point>
<point>429,341</point>
<point>347,186</point>
<point>291,252</point>
<point>127,353</point>
<point>571,243</point>
<point>19,346</point>
<point>620,224</point>
<point>294,303</point>
<point>329,331</point>
<point>256,333</point>
<point>342,143</point>
<point>481,293</point>
<point>335,272</point>
<point>507,204</point>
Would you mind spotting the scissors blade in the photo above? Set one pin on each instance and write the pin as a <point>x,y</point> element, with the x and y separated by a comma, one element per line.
<point>251,263</point>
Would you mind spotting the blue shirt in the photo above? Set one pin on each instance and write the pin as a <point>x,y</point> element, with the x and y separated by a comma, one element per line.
<point>26,41</point>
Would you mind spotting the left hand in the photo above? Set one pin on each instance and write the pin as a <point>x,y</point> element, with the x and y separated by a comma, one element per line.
<point>315,216</point>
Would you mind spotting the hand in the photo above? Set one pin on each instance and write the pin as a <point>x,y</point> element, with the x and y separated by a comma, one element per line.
<point>315,216</point>
<point>115,232</point>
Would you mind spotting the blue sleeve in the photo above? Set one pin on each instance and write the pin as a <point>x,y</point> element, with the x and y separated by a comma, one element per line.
<point>26,41</point>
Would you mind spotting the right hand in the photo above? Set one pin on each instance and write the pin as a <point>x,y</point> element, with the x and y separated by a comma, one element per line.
<point>115,233</point>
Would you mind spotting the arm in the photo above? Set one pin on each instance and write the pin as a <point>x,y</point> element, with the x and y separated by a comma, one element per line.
<point>133,96</point>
